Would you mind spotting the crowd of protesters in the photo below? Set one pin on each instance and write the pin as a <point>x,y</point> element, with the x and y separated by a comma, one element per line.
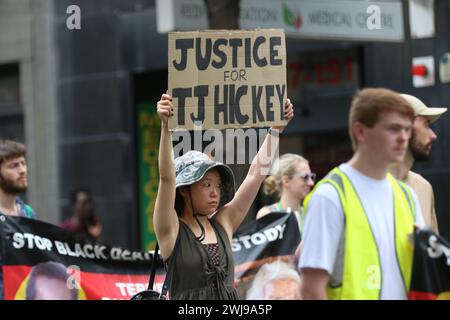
<point>355,224</point>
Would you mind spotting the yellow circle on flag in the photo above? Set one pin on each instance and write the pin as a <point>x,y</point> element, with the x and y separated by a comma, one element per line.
<point>443,296</point>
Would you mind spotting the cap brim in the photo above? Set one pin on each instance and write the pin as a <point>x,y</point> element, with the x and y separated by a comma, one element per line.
<point>433,114</point>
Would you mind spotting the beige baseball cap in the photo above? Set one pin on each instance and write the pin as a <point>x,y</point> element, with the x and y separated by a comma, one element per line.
<point>420,109</point>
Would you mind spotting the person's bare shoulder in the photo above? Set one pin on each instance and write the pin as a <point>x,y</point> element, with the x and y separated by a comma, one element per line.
<point>262,212</point>
<point>415,179</point>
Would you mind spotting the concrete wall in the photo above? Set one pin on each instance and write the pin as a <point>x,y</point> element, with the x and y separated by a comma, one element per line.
<point>26,39</point>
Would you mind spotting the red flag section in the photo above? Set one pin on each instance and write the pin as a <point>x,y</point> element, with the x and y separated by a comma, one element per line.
<point>87,285</point>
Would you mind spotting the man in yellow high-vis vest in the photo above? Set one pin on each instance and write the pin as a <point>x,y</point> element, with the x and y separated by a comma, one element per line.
<point>359,218</point>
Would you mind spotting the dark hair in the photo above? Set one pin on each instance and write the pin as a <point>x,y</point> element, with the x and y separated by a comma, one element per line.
<point>74,194</point>
<point>226,195</point>
<point>10,150</point>
<point>179,203</point>
<point>49,269</point>
<point>88,220</point>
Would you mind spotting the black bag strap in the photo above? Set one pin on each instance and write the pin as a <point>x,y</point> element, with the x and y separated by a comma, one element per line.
<point>168,279</point>
<point>153,271</point>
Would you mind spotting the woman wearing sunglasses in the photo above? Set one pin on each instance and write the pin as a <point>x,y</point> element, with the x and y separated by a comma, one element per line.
<point>291,179</point>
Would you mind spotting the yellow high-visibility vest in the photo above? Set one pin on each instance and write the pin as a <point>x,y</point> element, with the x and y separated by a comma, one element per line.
<point>362,274</point>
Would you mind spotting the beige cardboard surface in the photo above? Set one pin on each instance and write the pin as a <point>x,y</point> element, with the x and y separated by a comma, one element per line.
<point>227,79</point>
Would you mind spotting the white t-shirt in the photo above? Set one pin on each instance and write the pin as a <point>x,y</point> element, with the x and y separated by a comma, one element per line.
<point>323,238</point>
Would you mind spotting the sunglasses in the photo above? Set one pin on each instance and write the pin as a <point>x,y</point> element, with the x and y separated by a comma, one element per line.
<point>306,176</point>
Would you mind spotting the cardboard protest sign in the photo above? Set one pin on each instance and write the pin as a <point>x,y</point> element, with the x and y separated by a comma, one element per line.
<point>41,261</point>
<point>227,79</point>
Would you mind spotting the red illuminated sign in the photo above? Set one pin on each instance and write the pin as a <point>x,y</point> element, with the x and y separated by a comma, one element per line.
<point>332,70</point>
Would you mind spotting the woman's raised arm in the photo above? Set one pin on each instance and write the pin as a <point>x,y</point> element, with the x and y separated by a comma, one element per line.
<point>165,218</point>
<point>231,216</point>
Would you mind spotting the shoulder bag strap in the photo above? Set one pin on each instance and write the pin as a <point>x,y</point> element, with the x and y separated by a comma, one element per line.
<point>168,279</point>
<point>153,271</point>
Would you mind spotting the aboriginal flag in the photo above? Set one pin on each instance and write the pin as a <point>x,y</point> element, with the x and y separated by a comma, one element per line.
<point>40,261</point>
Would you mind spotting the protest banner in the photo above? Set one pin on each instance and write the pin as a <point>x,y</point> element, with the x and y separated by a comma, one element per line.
<point>43,261</point>
<point>273,237</point>
<point>430,278</point>
<point>227,79</point>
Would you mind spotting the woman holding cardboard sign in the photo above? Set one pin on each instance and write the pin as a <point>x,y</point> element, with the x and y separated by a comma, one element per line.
<point>197,211</point>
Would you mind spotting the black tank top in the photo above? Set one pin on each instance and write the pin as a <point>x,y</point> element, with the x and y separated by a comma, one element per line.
<point>195,275</point>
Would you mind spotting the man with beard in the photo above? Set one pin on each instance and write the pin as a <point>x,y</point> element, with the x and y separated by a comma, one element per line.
<point>420,144</point>
<point>13,181</point>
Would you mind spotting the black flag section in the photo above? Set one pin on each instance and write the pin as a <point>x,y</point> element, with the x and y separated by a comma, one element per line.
<point>430,279</point>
